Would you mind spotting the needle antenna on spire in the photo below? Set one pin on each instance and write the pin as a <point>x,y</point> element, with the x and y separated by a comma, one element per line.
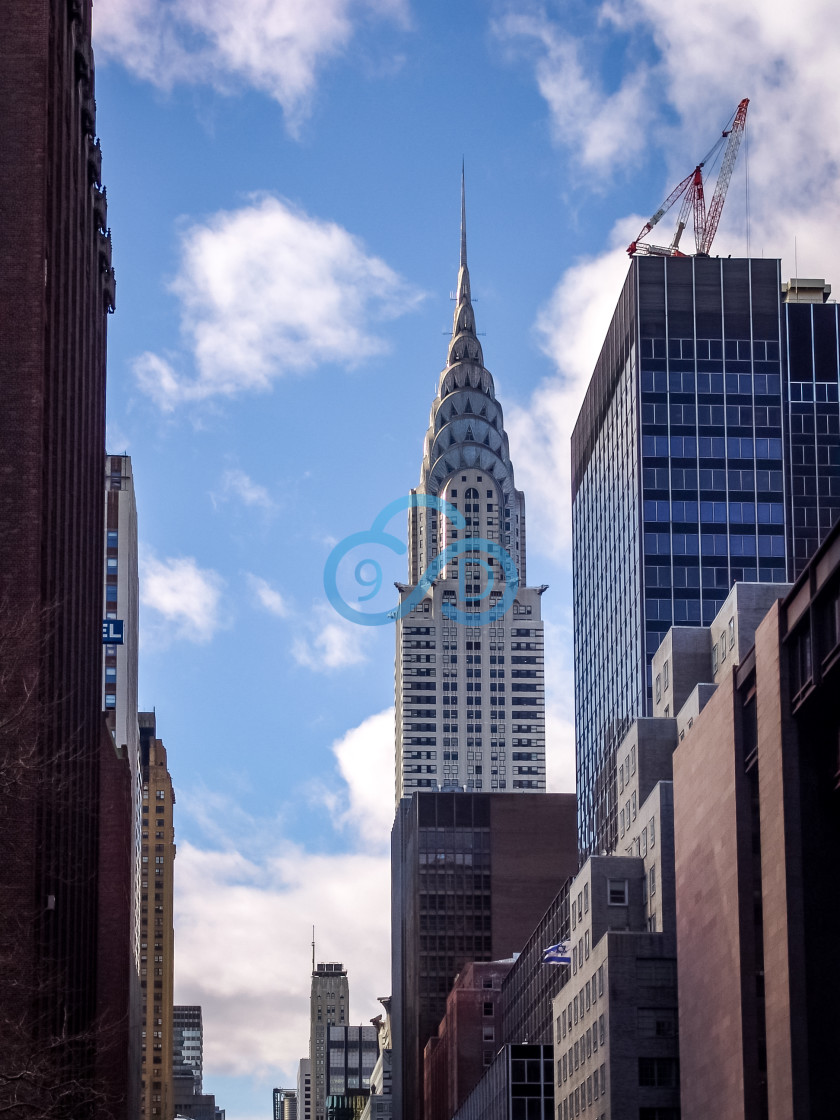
<point>463,220</point>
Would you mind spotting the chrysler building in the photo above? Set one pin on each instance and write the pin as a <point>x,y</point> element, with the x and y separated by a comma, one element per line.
<point>470,699</point>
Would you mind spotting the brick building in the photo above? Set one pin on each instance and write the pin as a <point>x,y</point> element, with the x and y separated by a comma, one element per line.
<point>757,812</point>
<point>467,1039</point>
<point>56,288</point>
<point>471,876</point>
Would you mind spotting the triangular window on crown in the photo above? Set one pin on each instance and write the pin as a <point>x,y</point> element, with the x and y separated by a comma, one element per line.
<point>469,434</point>
<point>468,406</point>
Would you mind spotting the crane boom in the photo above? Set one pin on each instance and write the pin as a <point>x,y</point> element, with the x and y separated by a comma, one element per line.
<point>663,209</point>
<point>705,223</point>
<point>736,135</point>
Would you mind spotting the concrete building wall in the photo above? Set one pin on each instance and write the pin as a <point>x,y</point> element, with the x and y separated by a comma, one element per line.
<point>530,987</point>
<point>329,1004</point>
<point>304,1089</point>
<point>714,881</point>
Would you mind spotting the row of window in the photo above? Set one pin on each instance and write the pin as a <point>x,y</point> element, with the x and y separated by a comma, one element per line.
<point>710,447</point>
<point>711,349</point>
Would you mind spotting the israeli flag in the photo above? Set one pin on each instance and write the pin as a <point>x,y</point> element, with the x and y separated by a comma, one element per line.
<point>557,954</point>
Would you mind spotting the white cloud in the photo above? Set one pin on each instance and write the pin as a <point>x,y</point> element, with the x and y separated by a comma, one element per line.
<point>559,709</point>
<point>185,599</point>
<point>333,644</point>
<point>236,484</point>
<point>365,758</point>
<point>267,291</point>
<point>275,46</point>
<point>268,597</point>
<point>243,928</point>
<point>606,129</point>
<point>246,903</point>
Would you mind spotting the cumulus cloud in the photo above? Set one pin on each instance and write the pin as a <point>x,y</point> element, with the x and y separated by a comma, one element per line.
<point>704,61</point>
<point>268,597</point>
<point>559,708</point>
<point>275,46</point>
<point>266,291</point>
<point>246,901</point>
<point>332,645</point>
<point>185,600</point>
<point>240,487</point>
<point>243,926</point>
<point>365,757</point>
<point>605,128</point>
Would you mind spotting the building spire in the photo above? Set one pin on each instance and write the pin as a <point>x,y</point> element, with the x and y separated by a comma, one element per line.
<point>463,220</point>
<point>464,320</point>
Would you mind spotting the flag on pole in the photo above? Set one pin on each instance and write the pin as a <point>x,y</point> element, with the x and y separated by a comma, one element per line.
<point>557,954</point>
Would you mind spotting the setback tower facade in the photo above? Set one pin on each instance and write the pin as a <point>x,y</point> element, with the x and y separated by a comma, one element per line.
<point>470,703</point>
<point>706,452</point>
<point>329,1005</point>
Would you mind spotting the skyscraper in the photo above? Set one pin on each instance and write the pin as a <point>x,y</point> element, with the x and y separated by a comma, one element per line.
<point>56,288</point>
<point>119,701</point>
<point>706,451</point>
<point>329,1005</point>
<point>470,704</point>
<point>157,938</point>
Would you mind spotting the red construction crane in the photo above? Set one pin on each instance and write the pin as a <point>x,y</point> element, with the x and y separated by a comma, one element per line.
<point>692,193</point>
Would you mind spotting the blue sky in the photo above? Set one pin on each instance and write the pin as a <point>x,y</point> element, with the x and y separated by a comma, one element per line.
<point>283,183</point>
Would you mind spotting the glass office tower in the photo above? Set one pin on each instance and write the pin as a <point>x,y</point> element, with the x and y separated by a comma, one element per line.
<point>706,452</point>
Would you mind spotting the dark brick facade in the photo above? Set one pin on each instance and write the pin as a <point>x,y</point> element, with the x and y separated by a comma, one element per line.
<point>56,286</point>
<point>471,876</point>
<point>467,1039</point>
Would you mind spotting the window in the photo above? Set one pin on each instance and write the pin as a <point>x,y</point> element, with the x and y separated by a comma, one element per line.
<point>488,1034</point>
<point>652,878</point>
<point>665,676</point>
<point>652,831</point>
<point>617,892</point>
<point>488,1007</point>
<point>714,659</point>
<point>801,659</point>
<point>723,647</point>
<point>658,1071</point>
<point>586,898</point>
<point>731,633</point>
<point>658,687</point>
<point>161,795</point>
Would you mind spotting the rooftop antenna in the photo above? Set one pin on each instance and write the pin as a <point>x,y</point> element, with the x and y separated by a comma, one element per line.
<point>313,948</point>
